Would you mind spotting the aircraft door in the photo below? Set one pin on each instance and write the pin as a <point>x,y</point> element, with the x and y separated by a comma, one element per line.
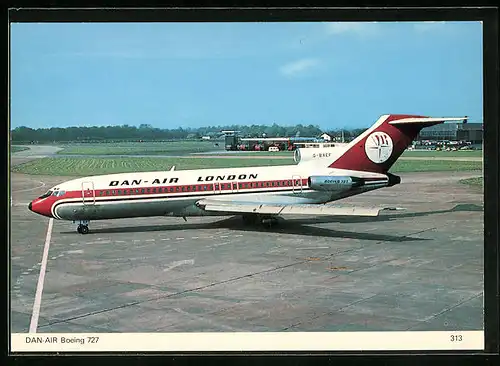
<point>296,184</point>
<point>88,193</point>
<point>217,188</point>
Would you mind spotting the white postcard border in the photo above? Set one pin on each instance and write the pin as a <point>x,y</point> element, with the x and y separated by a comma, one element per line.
<point>272,341</point>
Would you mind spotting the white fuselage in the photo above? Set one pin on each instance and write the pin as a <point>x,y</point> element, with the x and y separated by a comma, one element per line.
<point>174,193</point>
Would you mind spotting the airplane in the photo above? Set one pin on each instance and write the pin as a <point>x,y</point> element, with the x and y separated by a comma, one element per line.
<point>259,194</point>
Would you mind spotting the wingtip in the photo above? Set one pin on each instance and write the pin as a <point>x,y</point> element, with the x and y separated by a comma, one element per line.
<point>393,209</point>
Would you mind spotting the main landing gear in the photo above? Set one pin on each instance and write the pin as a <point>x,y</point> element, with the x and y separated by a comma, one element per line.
<point>264,220</point>
<point>83,226</point>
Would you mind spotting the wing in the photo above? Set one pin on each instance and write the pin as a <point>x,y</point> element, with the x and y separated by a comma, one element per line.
<point>280,209</point>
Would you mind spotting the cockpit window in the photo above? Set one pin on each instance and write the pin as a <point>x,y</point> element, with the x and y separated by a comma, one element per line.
<point>59,193</point>
<point>45,195</point>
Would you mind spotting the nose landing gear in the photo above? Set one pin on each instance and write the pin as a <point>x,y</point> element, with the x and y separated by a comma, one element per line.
<point>83,226</point>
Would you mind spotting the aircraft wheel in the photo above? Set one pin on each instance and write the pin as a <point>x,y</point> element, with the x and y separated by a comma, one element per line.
<point>84,229</point>
<point>268,222</point>
<point>249,219</point>
<point>79,229</point>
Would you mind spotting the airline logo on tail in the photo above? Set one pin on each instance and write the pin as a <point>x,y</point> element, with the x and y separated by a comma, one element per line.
<point>378,147</point>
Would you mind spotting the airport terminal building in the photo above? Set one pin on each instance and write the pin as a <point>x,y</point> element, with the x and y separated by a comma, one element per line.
<point>472,132</point>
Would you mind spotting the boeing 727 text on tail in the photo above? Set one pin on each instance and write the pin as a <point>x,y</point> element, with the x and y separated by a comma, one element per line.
<point>258,193</point>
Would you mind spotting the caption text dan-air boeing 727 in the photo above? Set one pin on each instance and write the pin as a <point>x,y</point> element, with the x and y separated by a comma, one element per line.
<point>258,193</point>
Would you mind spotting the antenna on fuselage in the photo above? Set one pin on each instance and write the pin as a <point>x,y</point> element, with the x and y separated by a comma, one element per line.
<point>172,169</point>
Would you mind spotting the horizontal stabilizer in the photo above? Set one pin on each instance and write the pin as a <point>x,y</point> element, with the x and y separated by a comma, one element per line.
<point>281,209</point>
<point>424,120</point>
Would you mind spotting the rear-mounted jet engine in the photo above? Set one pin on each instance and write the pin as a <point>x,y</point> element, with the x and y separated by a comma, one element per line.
<point>333,183</point>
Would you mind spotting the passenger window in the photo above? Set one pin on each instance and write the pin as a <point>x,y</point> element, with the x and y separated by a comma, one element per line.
<point>204,188</point>
<point>177,189</point>
<point>147,190</point>
<point>119,191</point>
<point>136,191</point>
<point>142,190</point>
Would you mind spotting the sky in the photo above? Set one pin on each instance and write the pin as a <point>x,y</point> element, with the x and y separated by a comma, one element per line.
<point>169,75</point>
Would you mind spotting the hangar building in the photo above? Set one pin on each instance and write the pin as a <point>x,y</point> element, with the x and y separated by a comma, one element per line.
<point>472,132</point>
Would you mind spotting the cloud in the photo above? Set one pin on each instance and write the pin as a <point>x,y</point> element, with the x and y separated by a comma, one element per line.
<point>298,67</point>
<point>423,27</point>
<point>357,28</point>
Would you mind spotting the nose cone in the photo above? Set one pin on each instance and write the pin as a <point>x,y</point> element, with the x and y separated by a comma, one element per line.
<point>41,207</point>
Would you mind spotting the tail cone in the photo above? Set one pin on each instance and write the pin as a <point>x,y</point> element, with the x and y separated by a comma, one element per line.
<point>393,179</point>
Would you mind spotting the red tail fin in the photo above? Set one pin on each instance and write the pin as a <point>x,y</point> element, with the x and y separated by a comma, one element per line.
<point>378,148</point>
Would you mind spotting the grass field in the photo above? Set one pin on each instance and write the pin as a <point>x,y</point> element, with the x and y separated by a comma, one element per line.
<point>475,182</point>
<point>188,147</point>
<point>14,149</point>
<point>434,153</point>
<point>407,166</point>
<point>251,153</point>
<point>140,148</point>
<point>97,166</point>
<point>411,153</point>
